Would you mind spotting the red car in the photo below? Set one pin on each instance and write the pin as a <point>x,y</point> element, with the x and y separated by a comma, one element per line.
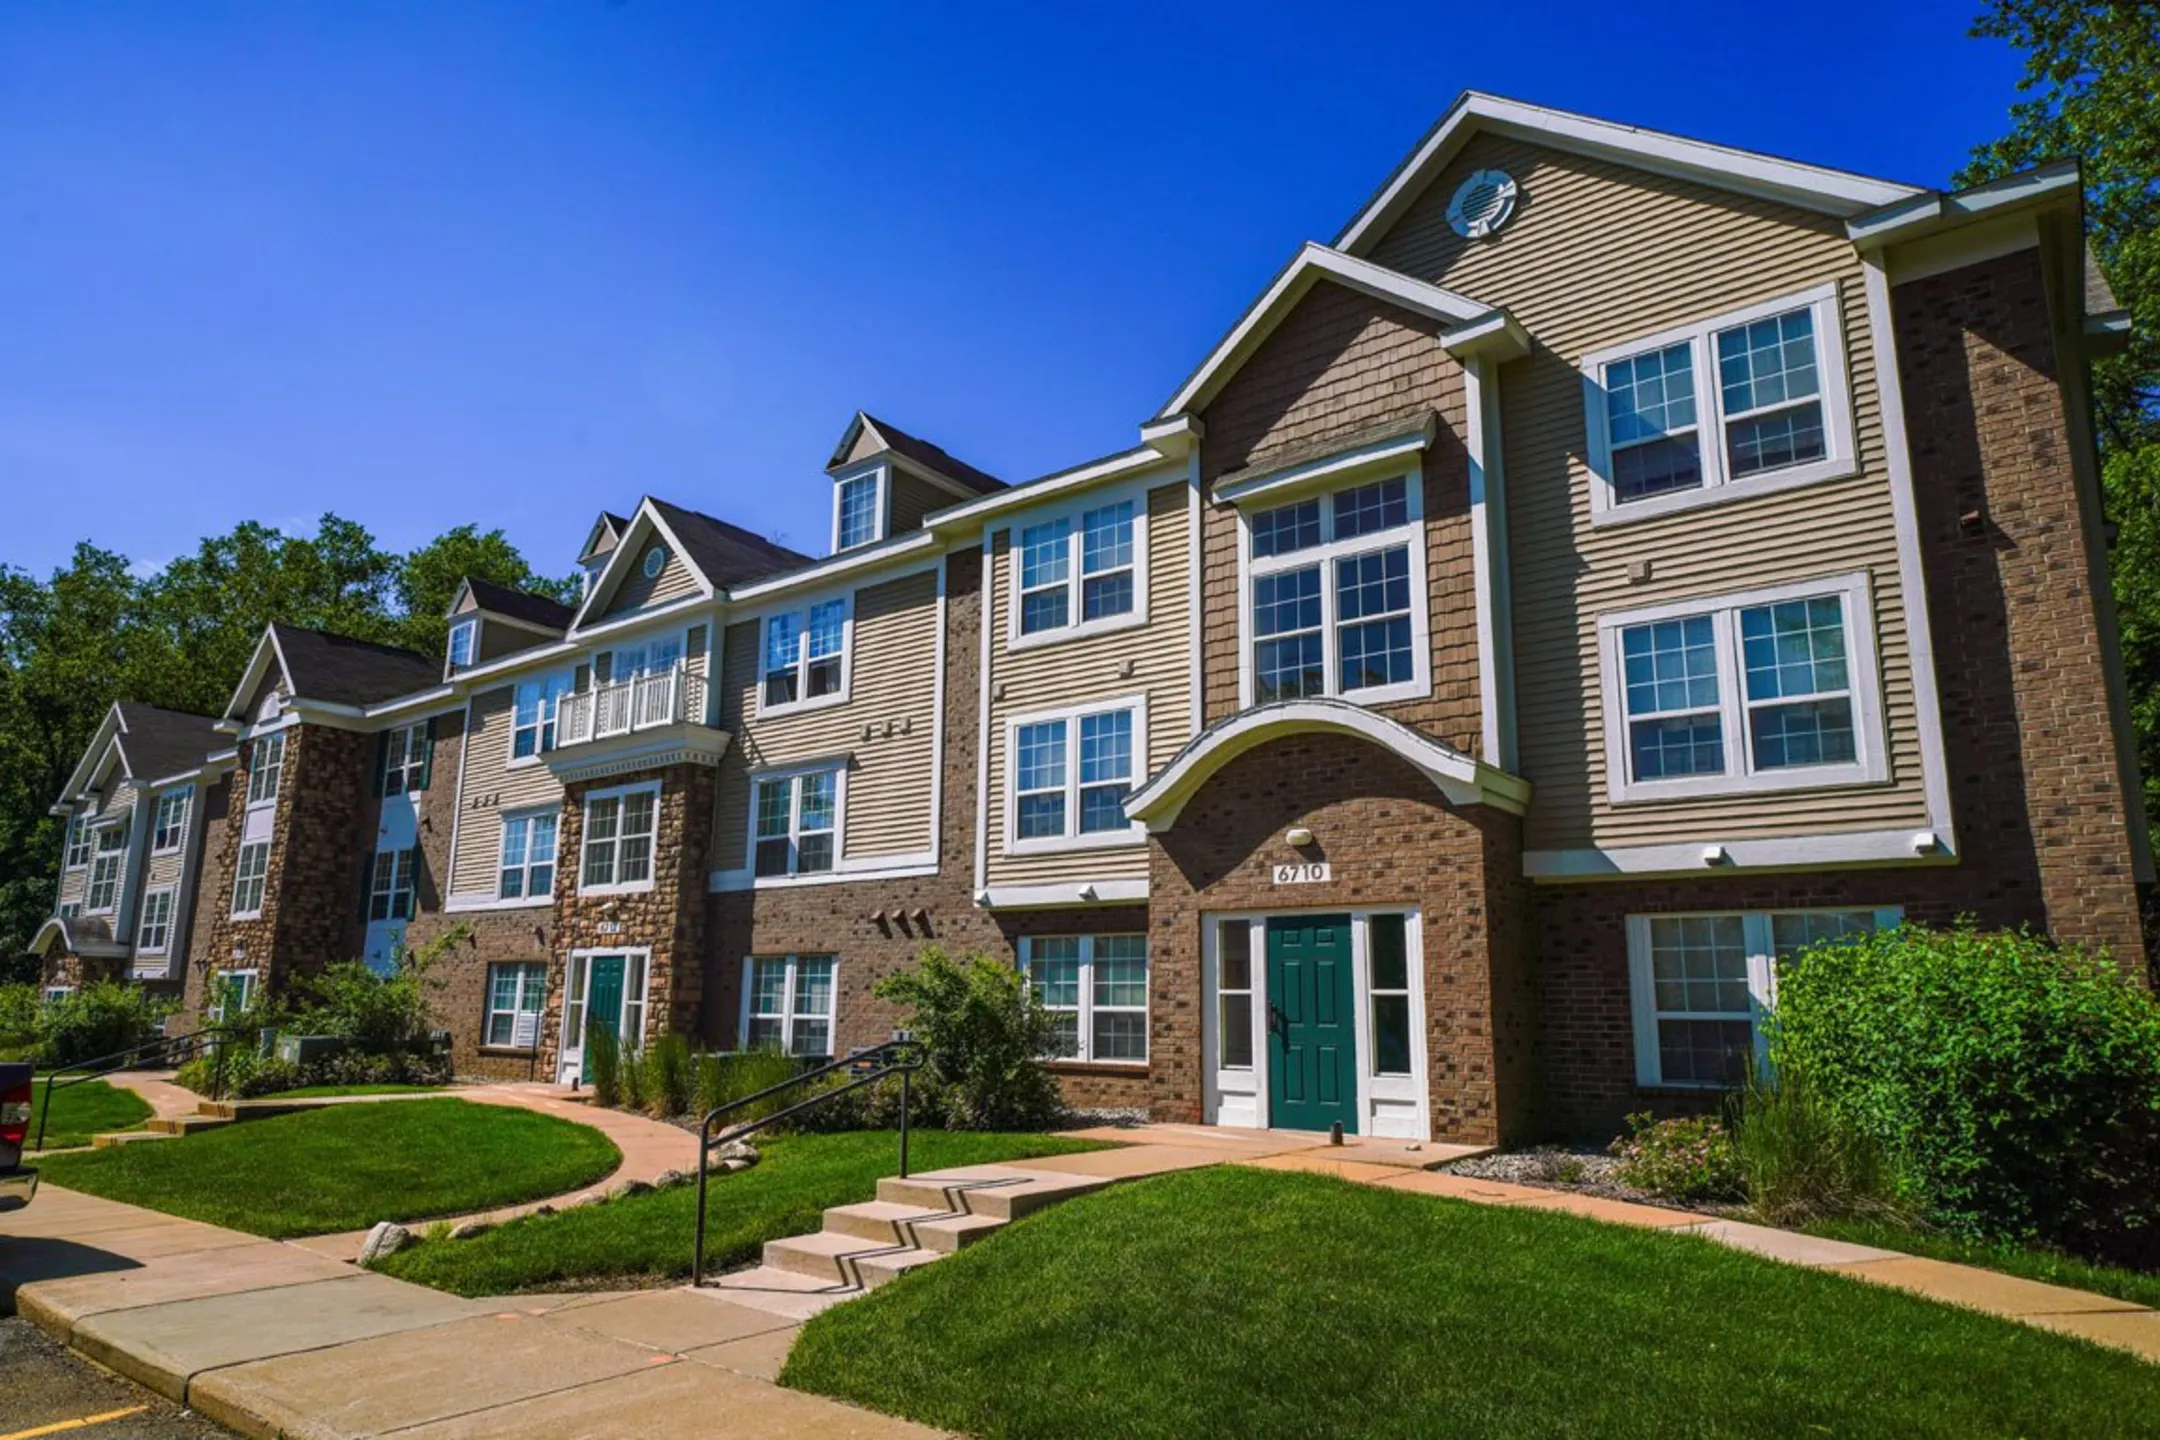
<point>18,1182</point>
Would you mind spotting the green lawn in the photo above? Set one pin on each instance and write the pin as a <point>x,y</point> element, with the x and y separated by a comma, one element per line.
<point>349,1166</point>
<point>2052,1267</point>
<point>84,1109</point>
<point>310,1092</point>
<point>647,1238</point>
<point>1252,1303</point>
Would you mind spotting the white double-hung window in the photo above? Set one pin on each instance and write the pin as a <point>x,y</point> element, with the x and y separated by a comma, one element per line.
<point>153,934</point>
<point>795,823</point>
<point>859,510</point>
<point>78,842</point>
<point>517,994</point>
<point>266,763</point>
<point>1702,984</point>
<point>528,856</point>
<point>1335,596</point>
<point>390,886</point>
<point>621,828</point>
<point>168,826</point>
<point>535,705</point>
<point>1070,771</point>
<point>105,868</point>
<point>1095,988</point>
<point>1076,575</point>
<point>1749,401</point>
<point>788,1004</point>
<point>251,872</point>
<point>1770,689</point>
<point>805,656</point>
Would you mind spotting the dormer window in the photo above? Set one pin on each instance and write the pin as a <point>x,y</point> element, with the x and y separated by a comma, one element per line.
<point>464,637</point>
<point>858,510</point>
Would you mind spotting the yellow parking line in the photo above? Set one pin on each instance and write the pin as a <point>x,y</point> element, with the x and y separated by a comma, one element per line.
<point>83,1423</point>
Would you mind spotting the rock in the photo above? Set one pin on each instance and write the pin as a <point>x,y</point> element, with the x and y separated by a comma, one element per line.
<point>543,1209</point>
<point>666,1178</point>
<point>470,1229</point>
<point>386,1239</point>
<point>730,1167</point>
<point>582,1201</point>
<point>630,1187</point>
<point>738,1150</point>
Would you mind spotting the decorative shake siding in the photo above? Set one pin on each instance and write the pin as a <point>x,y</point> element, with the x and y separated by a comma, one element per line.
<point>488,786</point>
<point>676,579</point>
<point>1075,672</point>
<point>1597,255</point>
<point>885,730</point>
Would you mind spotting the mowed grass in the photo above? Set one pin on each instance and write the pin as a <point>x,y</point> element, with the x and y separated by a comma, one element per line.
<point>647,1239</point>
<point>2051,1267</point>
<point>84,1109</point>
<point>1234,1301</point>
<point>308,1092</point>
<point>348,1167</point>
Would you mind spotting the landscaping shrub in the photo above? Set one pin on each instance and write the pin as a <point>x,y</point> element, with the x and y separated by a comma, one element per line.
<point>18,1019</point>
<point>724,1079</point>
<point>668,1059</point>
<point>635,1074</point>
<point>986,1032</point>
<point>1803,1164</point>
<point>102,1017</point>
<point>349,1067</point>
<point>603,1065</point>
<point>1687,1160</point>
<point>2017,1084</point>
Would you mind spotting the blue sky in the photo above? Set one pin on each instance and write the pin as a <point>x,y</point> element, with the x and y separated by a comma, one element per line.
<point>424,264</point>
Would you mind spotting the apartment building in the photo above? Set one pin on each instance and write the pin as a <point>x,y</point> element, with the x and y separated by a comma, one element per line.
<point>1610,563</point>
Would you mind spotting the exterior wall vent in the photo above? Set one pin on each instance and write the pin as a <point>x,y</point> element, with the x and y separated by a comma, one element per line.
<point>1482,204</point>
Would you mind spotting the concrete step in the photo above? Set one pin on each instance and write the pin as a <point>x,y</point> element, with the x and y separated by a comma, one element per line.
<point>127,1137</point>
<point>823,1255</point>
<point>187,1124</point>
<point>884,1223</point>
<point>889,1265</point>
<point>781,1292</point>
<point>998,1191</point>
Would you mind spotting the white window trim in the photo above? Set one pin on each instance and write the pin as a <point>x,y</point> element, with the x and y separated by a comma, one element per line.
<point>502,839</point>
<point>1840,459</point>
<point>577,979</point>
<point>1134,833</point>
<point>255,750</point>
<point>804,700</point>
<point>118,855</point>
<point>410,890</point>
<point>788,1015</point>
<point>633,887</point>
<point>645,641</point>
<point>1074,628</point>
<point>881,474</point>
<point>469,632</point>
<point>172,915</point>
<point>218,978</point>
<point>186,796</point>
<point>1870,766</point>
<point>838,767</point>
<point>488,1012</point>
<point>1086,1011</point>
<point>550,717</point>
<point>1762,980</point>
<point>1324,484</point>
<point>239,859</point>
<point>78,831</point>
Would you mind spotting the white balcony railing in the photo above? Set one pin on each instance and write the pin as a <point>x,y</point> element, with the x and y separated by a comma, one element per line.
<point>622,706</point>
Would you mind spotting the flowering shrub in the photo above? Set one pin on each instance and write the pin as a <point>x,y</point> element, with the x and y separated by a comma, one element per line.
<point>1691,1159</point>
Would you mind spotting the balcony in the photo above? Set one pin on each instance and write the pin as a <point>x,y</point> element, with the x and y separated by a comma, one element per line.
<point>636,724</point>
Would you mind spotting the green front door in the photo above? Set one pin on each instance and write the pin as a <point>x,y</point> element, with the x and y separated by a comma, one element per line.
<point>603,1001</point>
<point>1312,1024</point>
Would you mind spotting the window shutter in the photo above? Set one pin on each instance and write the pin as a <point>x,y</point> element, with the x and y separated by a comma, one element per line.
<point>367,883</point>
<point>603,667</point>
<point>427,763</point>
<point>382,759</point>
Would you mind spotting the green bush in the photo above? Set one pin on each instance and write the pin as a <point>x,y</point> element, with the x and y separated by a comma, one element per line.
<point>986,1033</point>
<point>636,1077</point>
<point>101,1018</point>
<point>1803,1164</point>
<point>376,1014</point>
<point>668,1060</point>
<point>603,1065</point>
<point>2016,1084</point>
<point>1689,1160</point>
<point>724,1079</point>
<point>19,1017</point>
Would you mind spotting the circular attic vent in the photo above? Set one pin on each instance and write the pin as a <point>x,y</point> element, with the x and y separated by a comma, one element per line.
<point>655,562</point>
<point>1483,204</point>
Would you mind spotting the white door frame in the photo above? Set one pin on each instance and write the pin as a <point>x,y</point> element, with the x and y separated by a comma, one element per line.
<point>577,974</point>
<point>1390,1106</point>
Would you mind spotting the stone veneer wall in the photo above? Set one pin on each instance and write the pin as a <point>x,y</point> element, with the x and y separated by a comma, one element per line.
<point>1391,840</point>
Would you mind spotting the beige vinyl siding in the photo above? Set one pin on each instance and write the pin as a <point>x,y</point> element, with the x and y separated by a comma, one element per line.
<point>912,498</point>
<point>488,787</point>
<point>1596,255</point>
<point>1076,671</point>
<point>676,579</point>
<point>116,804</point>
<point>161,870</point>
<point>73,883</point>
<point>498,639</point>
<point>886,729</point>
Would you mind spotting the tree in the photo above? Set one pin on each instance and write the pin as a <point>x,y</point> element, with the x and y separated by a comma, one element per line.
<point>2087,92</point>
<point>429,578</point>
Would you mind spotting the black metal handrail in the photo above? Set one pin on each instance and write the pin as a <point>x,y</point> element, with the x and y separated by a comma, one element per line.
<point>166,1047</point>
<point>902,1056</point>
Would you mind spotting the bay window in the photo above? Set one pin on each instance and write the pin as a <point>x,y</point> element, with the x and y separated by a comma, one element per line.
<point>795,823</point>
<point>1736,404</point>
<point>78,842</point>
<point>1095,988</point>
<point>1336,596</point>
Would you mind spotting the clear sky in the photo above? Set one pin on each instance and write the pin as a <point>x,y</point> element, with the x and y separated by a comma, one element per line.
<point>513,261</point>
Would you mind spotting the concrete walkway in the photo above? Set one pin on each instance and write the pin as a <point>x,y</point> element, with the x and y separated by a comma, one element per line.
<point>2099,1318</point>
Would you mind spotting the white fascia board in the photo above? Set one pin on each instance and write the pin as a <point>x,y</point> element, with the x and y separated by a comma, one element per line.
<point>1809,187</point>
<point>266,650</point>
<point>964,519</point>
<point>1073,894</point>
<point>1312,263</point>
<point>1496,335</point>
<point>924,473</point>
<point>1802,852</point>
<point>632,621</point>
<point>536,657</point>
<point>610,574</point>
<point>93,757</point>
<point>1930,211</point>
<point>1329,467</point>
<point>846,565</point>
<point>1173,436</point>
<point>533,626</point>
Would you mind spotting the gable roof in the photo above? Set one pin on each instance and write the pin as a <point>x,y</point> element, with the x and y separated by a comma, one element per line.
<point>333,669</point>
<point>1809,187</point>
<point>605,532</point>
<point>516,604</point>
<point>918,452</point>
<point>1311,264</point>
<point>720,554</point>
<point>147,742</point>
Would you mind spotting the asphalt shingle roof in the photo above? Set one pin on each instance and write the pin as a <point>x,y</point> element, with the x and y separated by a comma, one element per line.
<point>344,671</point>
<point>158,742</point>
<point>727,554</point>
<point>519,605</point>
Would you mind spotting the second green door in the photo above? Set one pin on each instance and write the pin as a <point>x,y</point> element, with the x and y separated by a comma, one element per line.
<point>1312,1023</point>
